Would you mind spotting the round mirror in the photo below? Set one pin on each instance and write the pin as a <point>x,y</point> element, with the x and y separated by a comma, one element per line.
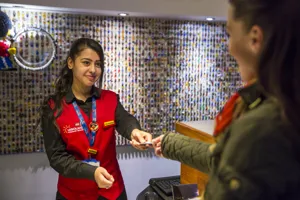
<point>36,48</point>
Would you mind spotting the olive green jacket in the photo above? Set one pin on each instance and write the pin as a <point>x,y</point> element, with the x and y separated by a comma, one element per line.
<point>256,158</point>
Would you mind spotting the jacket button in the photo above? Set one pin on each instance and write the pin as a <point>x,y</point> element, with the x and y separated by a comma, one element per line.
<point>212,147</point>
<point>234,184</point>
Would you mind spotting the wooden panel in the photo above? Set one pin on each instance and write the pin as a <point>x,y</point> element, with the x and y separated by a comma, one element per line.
<point>189,175</point>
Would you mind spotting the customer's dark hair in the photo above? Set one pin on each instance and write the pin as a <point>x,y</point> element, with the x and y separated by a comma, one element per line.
<point>65,78</point>
<point>279,66</point>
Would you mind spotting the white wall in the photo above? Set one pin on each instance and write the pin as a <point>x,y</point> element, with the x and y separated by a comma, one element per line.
<point>29,177</point>
<point>188,9</point>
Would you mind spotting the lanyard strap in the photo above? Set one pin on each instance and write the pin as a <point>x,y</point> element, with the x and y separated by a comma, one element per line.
<point>91,137</point>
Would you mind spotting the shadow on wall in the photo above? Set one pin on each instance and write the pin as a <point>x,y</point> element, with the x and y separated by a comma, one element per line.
<point>37,161</point>
<point>128,152</point>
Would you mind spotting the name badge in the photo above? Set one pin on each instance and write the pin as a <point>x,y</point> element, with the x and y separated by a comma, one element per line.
<point>92,162</point>
<point>109,123</point>
<point>92,151</point>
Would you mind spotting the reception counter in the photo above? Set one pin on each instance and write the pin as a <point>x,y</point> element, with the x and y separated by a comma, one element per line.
<point>201,130</point>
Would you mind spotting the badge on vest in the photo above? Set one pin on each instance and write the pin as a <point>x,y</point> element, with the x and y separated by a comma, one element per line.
<point>109,123</point>
<point>94,126</point>
<point>92,151</point>
<point>92,162</point>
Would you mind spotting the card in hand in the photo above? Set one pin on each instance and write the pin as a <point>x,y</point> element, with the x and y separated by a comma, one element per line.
<point>146,143</point>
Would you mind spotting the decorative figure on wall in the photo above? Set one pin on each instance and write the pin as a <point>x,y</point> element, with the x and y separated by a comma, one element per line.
<point>5,45</point>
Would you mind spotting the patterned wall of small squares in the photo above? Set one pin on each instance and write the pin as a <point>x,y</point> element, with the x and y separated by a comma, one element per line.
<point>164,71</point>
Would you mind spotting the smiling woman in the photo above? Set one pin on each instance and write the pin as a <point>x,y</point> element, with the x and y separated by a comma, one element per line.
<point>79,122</point>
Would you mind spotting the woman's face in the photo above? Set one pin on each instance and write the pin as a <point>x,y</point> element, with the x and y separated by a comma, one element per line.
<point>244,45</point>
<point>86,68</point>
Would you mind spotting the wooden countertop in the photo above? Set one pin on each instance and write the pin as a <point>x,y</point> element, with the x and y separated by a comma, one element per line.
<point>206,126</point>
<point>202,130</point>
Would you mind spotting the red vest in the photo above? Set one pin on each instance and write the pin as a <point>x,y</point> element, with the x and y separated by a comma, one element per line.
<point>77,144</point>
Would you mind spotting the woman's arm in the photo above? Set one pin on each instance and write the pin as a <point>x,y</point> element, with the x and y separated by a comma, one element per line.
<point>125,122</point>
<point>187,150</point>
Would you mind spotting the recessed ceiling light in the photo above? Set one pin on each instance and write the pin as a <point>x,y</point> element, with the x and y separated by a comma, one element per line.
<point>123,14</point>
<point>18,6</point>
<point>209,19</point>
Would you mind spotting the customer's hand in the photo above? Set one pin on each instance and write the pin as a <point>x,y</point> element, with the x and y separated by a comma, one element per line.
<point>103,178</point>
<point>138,138</point>
<point>157,145</point>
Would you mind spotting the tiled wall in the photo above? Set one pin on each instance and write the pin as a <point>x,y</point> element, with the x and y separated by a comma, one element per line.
<point>163,70</point>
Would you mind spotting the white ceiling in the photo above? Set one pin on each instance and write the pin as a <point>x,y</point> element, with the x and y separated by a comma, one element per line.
<point>180,9</point>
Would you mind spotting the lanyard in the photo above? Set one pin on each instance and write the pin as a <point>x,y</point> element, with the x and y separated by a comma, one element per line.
<point>93,126</point>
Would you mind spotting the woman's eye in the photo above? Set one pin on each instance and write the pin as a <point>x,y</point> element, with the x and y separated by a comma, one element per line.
<point>86,63</point>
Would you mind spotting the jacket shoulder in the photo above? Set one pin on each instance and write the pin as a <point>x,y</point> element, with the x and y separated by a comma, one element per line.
<point>258,157</point>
